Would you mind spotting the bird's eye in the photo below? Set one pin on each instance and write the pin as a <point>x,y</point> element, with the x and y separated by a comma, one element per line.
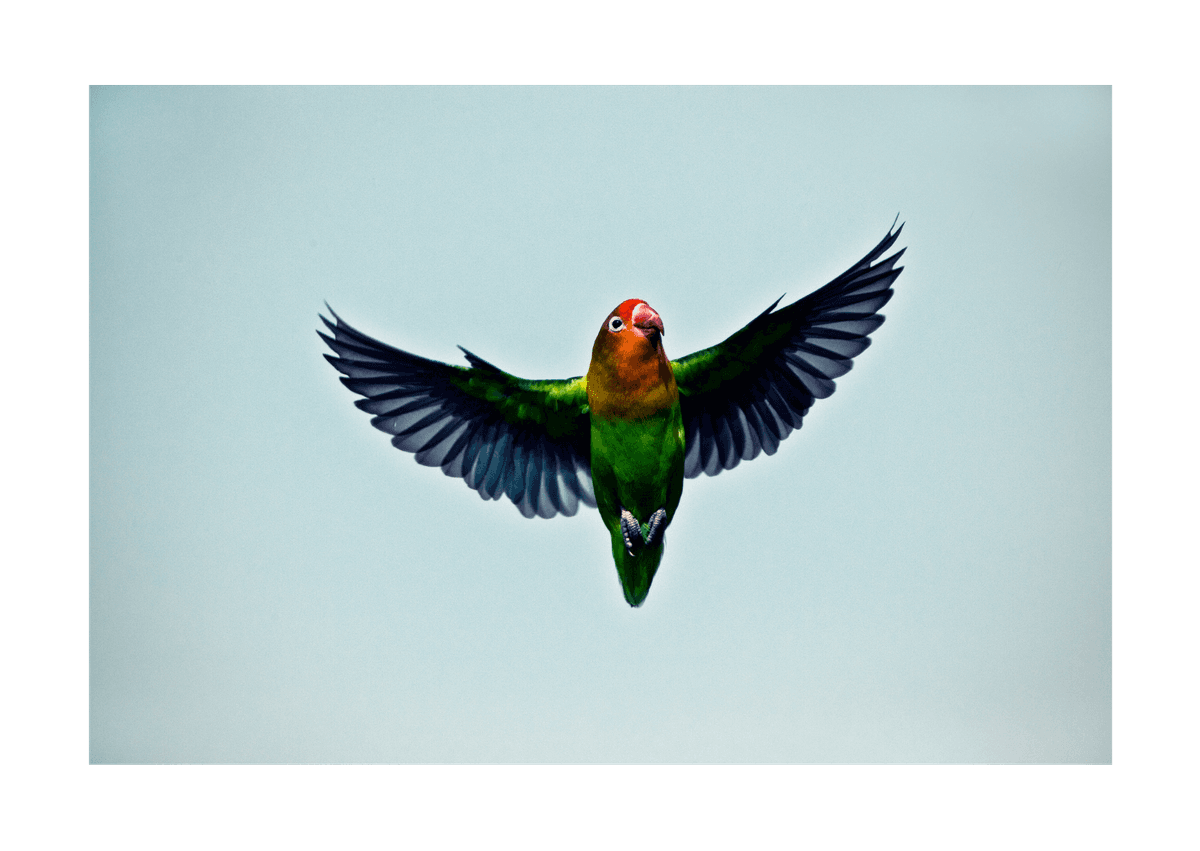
<point>615,324</point>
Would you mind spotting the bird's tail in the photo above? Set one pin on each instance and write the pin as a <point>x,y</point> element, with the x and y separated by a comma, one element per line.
<point>636,569</point>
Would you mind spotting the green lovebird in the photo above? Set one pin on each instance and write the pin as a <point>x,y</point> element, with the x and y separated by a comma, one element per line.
<point>623,437</point>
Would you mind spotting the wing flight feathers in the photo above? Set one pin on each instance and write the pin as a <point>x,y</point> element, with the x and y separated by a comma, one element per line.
<point>502,435</point>
<point>743,396</point>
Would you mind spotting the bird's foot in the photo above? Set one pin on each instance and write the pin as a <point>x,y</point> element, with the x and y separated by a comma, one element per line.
<point>631,530</point>
<point>656,527</point>
<point>635,538</point>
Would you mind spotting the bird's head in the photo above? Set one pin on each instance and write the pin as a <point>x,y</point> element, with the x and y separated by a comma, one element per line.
<point>628,360</point>
<point>632,323</point>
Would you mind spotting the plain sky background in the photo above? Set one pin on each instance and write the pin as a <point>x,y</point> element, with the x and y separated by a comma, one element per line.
<point>922,573</point>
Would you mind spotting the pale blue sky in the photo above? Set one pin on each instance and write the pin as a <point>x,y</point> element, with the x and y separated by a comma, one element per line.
<point>921,574</point>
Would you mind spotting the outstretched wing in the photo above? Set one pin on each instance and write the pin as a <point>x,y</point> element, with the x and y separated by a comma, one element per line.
<point>748,393</point>
<point>502,435</point>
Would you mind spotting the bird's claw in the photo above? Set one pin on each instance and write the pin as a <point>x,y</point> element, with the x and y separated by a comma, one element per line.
<point>635,538</point>
<point>631,531</point>
<point>655,527</point>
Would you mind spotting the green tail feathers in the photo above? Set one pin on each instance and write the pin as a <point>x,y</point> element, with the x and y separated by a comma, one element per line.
<point>636,570</point>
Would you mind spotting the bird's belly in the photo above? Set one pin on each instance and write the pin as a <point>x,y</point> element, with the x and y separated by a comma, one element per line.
<point>638,465</point>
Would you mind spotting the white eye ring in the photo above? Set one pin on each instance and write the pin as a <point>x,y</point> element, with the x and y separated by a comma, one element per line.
<point>615,324</point>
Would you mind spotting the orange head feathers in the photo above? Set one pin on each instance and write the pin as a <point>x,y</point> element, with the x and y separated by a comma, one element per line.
<point>630,376</point>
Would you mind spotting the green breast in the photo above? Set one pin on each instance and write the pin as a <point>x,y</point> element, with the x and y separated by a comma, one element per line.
<point>638,464</point>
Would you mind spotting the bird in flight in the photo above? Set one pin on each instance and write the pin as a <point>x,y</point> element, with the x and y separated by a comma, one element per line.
<point>623,437</point>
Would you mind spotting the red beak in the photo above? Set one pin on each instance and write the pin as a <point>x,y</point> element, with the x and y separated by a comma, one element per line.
<point>645,318</point>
